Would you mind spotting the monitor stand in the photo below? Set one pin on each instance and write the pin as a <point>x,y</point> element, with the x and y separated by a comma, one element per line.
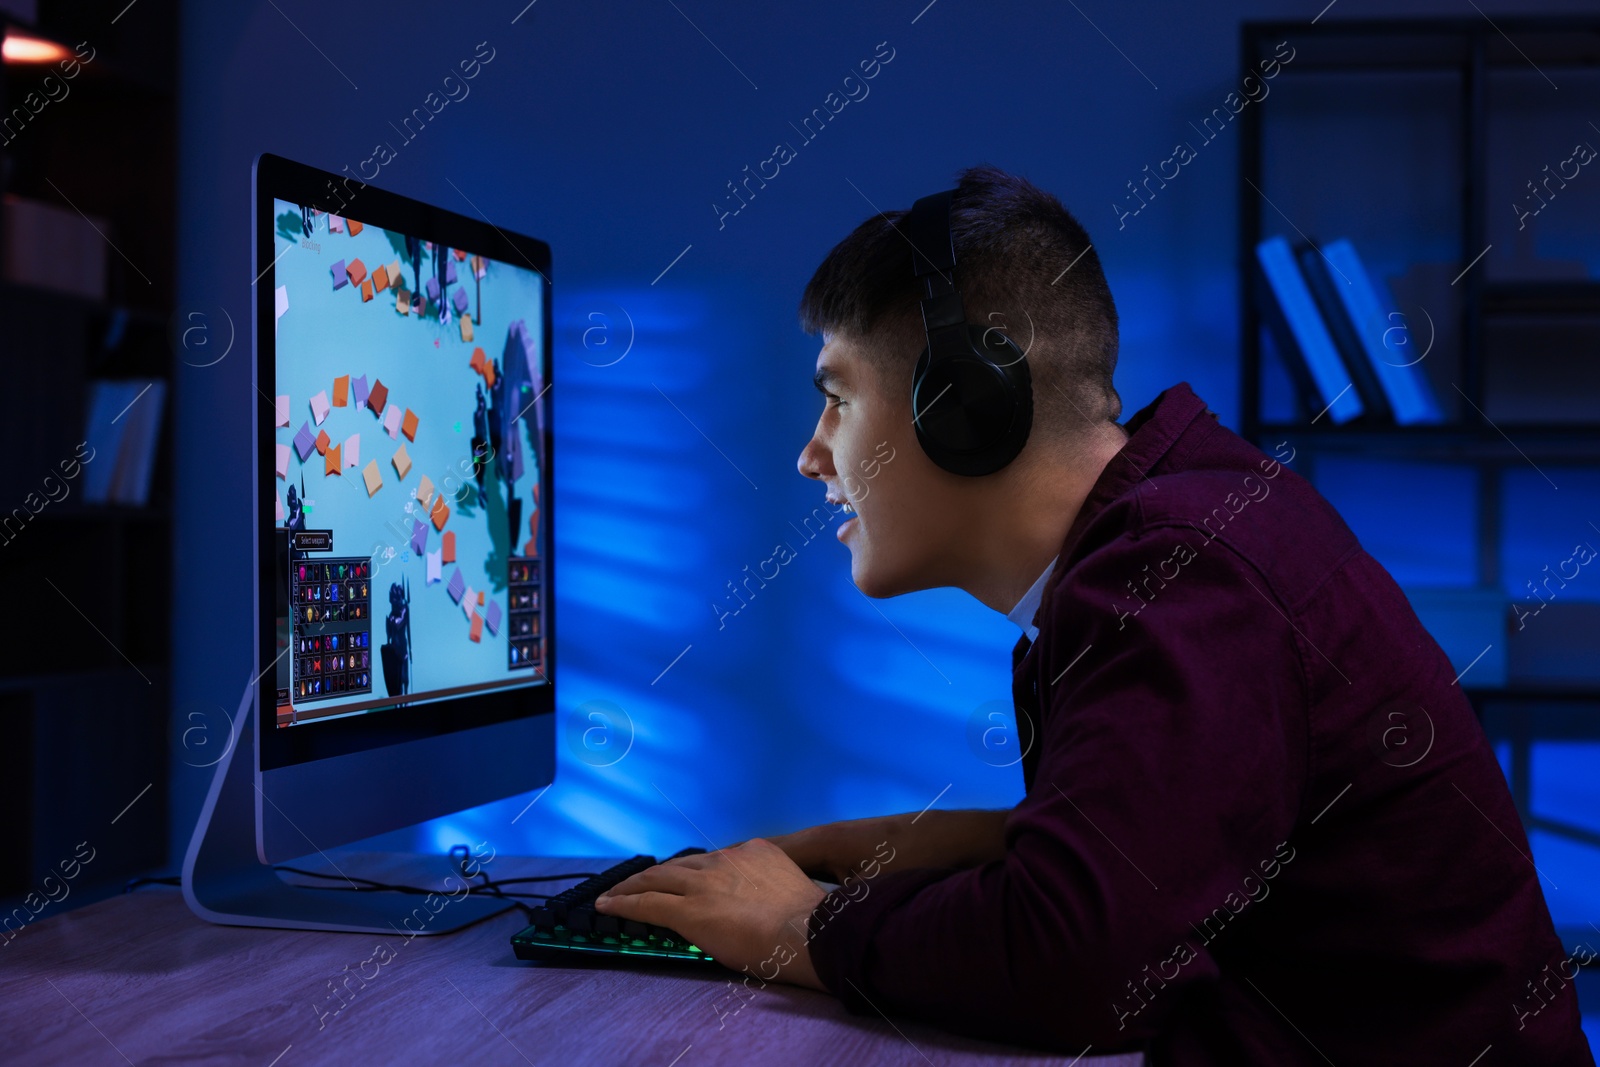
<point>224,880</point>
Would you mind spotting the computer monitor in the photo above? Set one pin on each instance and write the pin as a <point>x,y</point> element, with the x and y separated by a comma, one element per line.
<point>404,476</point>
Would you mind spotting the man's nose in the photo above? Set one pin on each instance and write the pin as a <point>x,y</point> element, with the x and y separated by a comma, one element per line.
<point>810,464</point>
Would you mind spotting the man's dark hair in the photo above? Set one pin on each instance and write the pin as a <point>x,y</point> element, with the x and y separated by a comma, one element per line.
<point>1020,256</point>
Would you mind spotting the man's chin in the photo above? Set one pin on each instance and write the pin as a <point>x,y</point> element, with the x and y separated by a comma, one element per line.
<point>879,582</point>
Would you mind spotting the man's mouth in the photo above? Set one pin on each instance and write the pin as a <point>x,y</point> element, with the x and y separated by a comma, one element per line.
<point>846,509</point>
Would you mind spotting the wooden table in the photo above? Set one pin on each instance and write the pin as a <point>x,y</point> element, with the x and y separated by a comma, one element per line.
<point>140,979</point>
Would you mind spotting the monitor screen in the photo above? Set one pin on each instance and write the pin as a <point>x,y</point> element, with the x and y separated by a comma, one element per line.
<point>409,541</point>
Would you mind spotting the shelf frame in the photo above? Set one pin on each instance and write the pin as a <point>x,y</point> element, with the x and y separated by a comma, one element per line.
<point>1474,49</point>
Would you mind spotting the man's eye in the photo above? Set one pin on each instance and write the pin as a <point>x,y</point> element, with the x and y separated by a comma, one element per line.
<point>833,401</point>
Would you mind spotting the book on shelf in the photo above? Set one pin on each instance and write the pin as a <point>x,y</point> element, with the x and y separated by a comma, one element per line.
<point>124,429</point>
<point>1328,284</point>
<point>1309,350</point>
<point>1361,318</point>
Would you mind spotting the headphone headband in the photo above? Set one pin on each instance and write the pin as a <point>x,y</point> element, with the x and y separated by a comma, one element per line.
<point>933,261</point>
<point>928,228</point>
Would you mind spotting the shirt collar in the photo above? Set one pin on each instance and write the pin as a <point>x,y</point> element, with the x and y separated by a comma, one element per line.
<point>1028,606</point>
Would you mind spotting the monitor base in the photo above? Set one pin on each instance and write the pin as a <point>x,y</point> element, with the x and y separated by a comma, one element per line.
<point>224,880</point>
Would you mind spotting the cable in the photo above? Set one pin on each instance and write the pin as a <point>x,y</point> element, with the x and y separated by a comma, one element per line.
<point>489,886</point>
<point>368,885</point>
<point>546,878</point>
<point>459,853</point>
<point>371,886</point>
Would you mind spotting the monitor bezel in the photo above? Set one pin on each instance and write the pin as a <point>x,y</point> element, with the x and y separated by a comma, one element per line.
<point>276,178</point>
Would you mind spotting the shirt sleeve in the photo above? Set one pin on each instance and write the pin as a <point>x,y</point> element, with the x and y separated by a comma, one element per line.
<point>1172,765</point>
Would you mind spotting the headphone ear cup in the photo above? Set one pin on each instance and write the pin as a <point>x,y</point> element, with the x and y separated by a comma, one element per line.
<point>973,408</point>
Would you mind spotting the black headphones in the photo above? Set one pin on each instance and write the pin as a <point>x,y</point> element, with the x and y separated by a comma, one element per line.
<point>972,393</point>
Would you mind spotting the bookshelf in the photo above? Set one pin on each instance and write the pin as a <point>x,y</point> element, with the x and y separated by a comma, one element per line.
<point>84,666</point>
<point>1413,138</point>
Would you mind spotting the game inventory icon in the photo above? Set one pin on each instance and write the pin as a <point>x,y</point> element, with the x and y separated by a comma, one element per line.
<point>331,603</point>
<point>522,619</point>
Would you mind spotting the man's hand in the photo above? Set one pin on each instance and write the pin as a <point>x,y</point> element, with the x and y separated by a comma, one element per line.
<point>834,850</point>
<point>746,906</point>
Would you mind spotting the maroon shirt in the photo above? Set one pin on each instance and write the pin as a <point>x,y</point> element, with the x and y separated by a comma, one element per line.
<point>1262,824</point>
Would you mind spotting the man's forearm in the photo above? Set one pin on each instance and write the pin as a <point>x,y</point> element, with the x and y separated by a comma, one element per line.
<point>964,838</point>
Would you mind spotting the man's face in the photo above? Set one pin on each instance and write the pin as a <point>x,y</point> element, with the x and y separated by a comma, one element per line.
<point>865,451</point>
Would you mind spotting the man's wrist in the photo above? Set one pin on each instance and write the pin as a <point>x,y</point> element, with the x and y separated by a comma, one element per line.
<point>799,971</point>
<point>791,960</point>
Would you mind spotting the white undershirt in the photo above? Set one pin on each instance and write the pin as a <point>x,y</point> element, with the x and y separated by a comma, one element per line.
<point>1023,613</point>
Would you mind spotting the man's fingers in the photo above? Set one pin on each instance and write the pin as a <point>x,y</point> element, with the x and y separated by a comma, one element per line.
<point>658,909</point>
<point>663,877</point>
<point>694,861</point>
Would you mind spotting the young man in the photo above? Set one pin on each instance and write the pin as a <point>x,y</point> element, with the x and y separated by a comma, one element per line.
<point>1261,823</point>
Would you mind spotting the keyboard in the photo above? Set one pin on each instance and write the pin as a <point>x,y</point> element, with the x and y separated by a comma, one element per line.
<point>567,927</point>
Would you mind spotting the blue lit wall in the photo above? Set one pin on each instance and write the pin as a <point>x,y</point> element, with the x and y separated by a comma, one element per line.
<point>611,135</point>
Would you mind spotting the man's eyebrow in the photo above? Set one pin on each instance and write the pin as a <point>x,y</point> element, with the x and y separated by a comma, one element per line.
<point>825,377</point>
